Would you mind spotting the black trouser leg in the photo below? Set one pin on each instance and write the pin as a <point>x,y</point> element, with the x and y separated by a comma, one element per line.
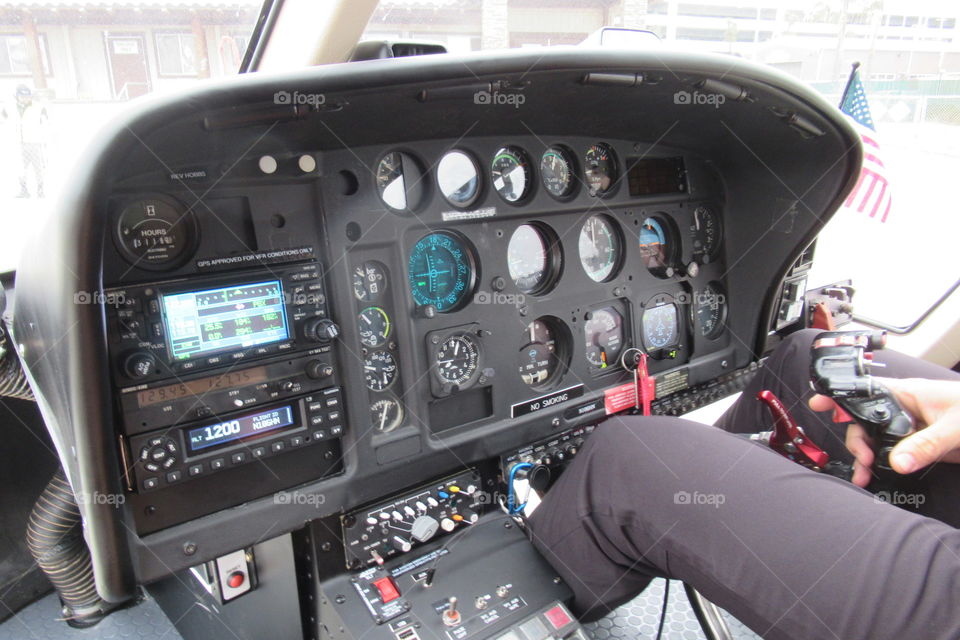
<point>790,552</point>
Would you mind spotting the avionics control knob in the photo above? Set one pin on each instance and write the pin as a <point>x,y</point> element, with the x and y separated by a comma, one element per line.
<point>469,516</point>
<point>317,369</point>
<point>448,525</point>
<point>402,545</point>
<point>424,528</point>
<point>139,364</point>
<point>321,330</point>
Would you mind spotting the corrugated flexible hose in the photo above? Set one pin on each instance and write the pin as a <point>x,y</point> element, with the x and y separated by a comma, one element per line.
<point>13,382</point>
<point>55,539</point>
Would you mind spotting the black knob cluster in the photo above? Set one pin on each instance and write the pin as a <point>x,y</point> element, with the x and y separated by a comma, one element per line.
<point>321,330</point>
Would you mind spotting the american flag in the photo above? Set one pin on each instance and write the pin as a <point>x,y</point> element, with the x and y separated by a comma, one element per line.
<point>872,193</point>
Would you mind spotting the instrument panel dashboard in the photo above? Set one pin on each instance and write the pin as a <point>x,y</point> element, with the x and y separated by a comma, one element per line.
<point>339,302</point>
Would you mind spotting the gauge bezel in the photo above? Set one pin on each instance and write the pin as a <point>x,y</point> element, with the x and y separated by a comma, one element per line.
<point>473,263</point>
<point>553,252</point>
<point>387,397</point>
<point>614,178</point>
<point>393,379</point>
<point>626,337</point>
<point>712,211</point>
<point>661,300</point>
<point>674,248</point>
<point>386,317</point>
<point>372,301</point>
<point>187,216</point>
<point>621,247</point>
<point>576,181</point>
<point>417,166</point>
<point>721,322</point>
<point>530,186</point>
<point>563,339</point>
<point>477,170</point>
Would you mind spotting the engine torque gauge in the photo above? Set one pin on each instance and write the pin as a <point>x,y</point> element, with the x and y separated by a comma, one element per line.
<point>386,414</point>
<point>379,370</point>
<point>156,233</point>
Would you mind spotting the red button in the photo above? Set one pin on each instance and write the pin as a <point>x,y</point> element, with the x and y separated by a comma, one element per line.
<point>387,588</point>
<point>558,617</point>
<point>236,579</point>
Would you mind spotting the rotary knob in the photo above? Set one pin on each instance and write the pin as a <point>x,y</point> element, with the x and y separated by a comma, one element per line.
<point>424,528</point>
<point>321,330</point>
<point>139,364</point>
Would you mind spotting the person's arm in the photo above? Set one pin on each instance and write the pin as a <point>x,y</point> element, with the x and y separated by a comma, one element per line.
<point>935,407</point>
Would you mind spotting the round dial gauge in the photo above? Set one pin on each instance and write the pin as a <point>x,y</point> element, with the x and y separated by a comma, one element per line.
<point>706,234</point>
<point>656,246</point>
<point>369,281</point>
<point>538,360</point>
<point>603,333</point>
<point>710,310</point>
<point>600,168</point>
<point>511,174</point>
<point>458,359</point>
<point>532,258</point>
<point>156,233</point>
<point>379,369</point>
<point>458,178</point>
<point>441,271</point>
<point>600,248</point>
<point>399,181</point>
<point>374,326</point>
<point>557,172</point>
<point>386,414</point>
<point>660,327</point>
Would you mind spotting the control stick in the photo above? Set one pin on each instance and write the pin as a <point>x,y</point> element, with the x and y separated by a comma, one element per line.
<point>839,369</point>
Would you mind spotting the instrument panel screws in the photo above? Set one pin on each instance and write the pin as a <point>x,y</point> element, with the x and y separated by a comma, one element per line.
<point>498,284</point>
<point>555,422</point>
<point>189,548</point>
<point>326,546</point>
<point>557,580</point>
<point>434,339</point>
<point>340,599</point>
<point>724,364</point>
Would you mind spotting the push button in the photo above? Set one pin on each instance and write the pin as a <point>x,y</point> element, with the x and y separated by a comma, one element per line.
<point>151,483</point>
<point>387,588</point>
<point>558,617</point>
<point>236,580</point>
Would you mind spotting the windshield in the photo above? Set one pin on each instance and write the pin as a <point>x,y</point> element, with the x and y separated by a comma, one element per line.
<point>67,66</point>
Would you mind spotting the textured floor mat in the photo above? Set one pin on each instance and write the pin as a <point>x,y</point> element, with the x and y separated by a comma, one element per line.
<point>639,618</point>
<point>40,621</point>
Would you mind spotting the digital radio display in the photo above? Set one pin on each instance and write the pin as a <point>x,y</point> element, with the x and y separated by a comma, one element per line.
<point>210,321</point>
<point>198,388</point>
<point>213,435</point>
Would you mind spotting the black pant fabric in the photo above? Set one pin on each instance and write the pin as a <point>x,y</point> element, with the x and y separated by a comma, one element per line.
<point>790,552</point>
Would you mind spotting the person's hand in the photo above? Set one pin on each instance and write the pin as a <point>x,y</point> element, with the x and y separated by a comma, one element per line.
<point>935,407</point>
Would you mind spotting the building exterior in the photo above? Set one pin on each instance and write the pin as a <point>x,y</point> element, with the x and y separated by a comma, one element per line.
<point>80,50</point>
